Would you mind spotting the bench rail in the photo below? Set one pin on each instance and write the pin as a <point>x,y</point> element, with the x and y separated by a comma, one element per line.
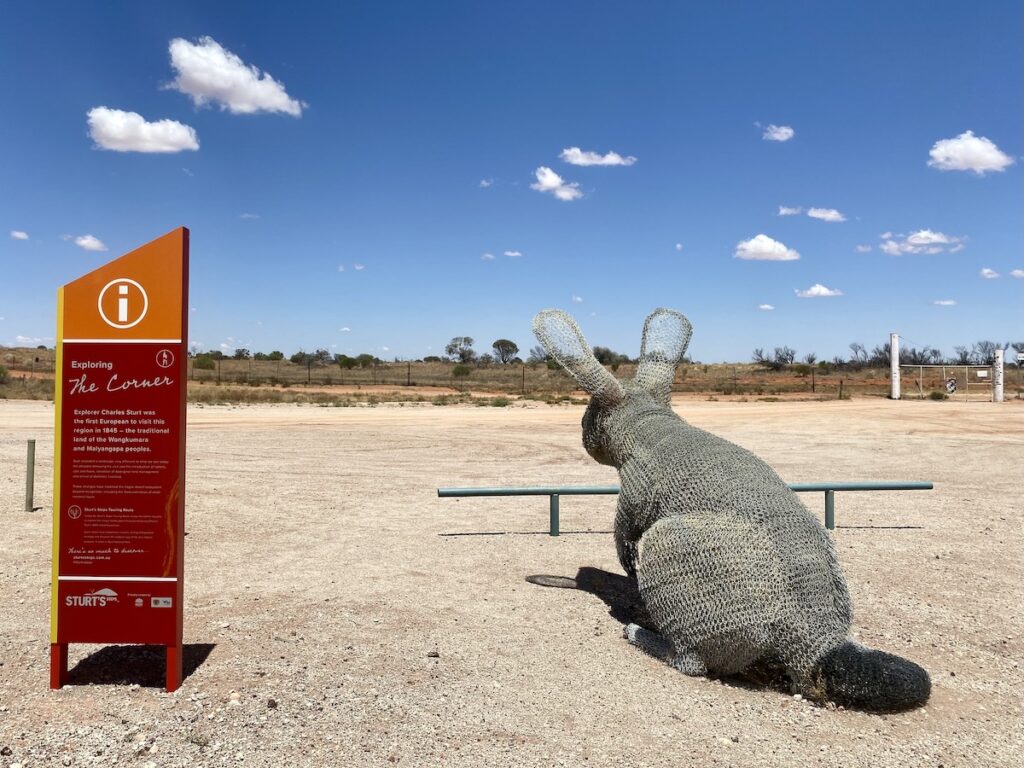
<point>553,492</point>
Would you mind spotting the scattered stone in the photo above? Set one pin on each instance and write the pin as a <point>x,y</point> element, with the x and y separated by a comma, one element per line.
<point>433,655</point>
<point>271,703</point>
<point>6,751</point>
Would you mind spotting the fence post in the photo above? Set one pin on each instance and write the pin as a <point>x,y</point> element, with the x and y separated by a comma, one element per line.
<point>553,523</point>
<point>30,476</point>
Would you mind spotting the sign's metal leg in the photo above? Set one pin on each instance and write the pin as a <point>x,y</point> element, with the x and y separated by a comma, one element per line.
<point>553,528</point>
<point>830,510</point>
<point>58,665</point>
<point>173,681</point>
<point>30,476</point>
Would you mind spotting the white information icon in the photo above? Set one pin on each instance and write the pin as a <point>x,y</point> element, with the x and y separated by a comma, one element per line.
<point>165,358</point>
<point>132,303</point>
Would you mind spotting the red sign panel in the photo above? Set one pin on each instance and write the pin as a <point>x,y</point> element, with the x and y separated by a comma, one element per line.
<point>119,469</point>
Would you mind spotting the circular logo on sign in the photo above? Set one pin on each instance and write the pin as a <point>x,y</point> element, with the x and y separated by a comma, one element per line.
<point>165,358</point>
<point>123,303</point>
<point>74,512</point>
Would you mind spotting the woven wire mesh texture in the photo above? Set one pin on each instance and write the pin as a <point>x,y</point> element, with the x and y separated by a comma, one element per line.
<point>731,565</point>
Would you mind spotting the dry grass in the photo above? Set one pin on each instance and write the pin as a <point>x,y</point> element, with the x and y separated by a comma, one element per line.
<point>262,381</point>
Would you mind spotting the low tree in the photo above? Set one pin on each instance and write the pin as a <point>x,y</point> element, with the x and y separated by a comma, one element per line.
<point>461,348</point>
<point>810,358</point>
<point>779,359</point>
<point>537,355</point>
<point>961,356</point>
<point>606,356</point>
<point>203,362</point>
<point>241,353</point>
<point>1018,347</point>
<point>366,360</point>
<point>985,352</point>
<point>345,362</point>
<point>505,350</point>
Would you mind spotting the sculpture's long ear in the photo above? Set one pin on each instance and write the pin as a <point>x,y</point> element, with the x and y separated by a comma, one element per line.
<point>563,340</point>
<point>666,336</point>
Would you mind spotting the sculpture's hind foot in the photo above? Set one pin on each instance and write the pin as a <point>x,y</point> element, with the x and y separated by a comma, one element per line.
<point>657,646</point>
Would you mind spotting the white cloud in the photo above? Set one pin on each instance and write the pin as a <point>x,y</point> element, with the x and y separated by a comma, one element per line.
<point>341,267</point>
<point>549,181</point>
<point>922,241</point>
<point>488,257</point>
<point>345,329</point>
<point>90,243</point>
<point>577,299</point>
<point>513,254</point>
<point>679,246</point>
<point>1017,273</point>
<point>786,211</point>
<point>763,248</point>
<point>122,131</point>
<point>486,183</point>
<point>988,274</point>
<point>818,291</point>
<point>863,249</point>
<point>187,172</point>
<point>17,234</point>
<point>765,307</point>
<point>358,267</point>
<point>825,214</point>
<point>577,156</point>
<point>208,72</point>
<point>944,303</point>
<point>249,216</point>
<point>968,152</point>
<point>927,237</point>
<point>778,133</point>
<point>33,340</point>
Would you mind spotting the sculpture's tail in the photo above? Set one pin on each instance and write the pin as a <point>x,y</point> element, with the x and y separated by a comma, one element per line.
<point>860,677</point>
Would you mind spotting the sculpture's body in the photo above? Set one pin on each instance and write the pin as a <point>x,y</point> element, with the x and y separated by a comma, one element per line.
<point>730,564</point>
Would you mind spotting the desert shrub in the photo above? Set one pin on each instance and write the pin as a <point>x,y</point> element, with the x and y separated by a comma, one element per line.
<point>3,374</point>
<point>499,402</point>
<point>203,363</point>
<point>461,371</point>
<point>936,394</point>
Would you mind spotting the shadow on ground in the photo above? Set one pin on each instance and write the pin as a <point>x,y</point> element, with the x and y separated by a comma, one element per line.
<point>625,605</point>
<point>144,665</point>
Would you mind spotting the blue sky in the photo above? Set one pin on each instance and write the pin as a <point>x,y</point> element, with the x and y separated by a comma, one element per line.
<point>403,142</point>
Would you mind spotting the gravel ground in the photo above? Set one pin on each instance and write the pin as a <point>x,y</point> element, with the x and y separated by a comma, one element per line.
<point>338,613</point>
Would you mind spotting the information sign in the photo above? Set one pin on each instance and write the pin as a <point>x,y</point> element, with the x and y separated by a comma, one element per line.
<point>119,465</point>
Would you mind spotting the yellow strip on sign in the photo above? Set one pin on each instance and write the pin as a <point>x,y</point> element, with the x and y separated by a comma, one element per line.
<point>58,381</point>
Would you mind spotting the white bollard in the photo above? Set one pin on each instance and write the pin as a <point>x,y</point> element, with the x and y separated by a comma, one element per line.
<point>997,377</point>
<point>894,366</point>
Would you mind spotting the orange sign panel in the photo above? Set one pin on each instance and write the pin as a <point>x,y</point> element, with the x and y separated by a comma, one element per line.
<point>119,469</point>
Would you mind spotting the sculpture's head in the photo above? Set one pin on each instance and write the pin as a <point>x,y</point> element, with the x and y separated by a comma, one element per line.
<point>666,335</point>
